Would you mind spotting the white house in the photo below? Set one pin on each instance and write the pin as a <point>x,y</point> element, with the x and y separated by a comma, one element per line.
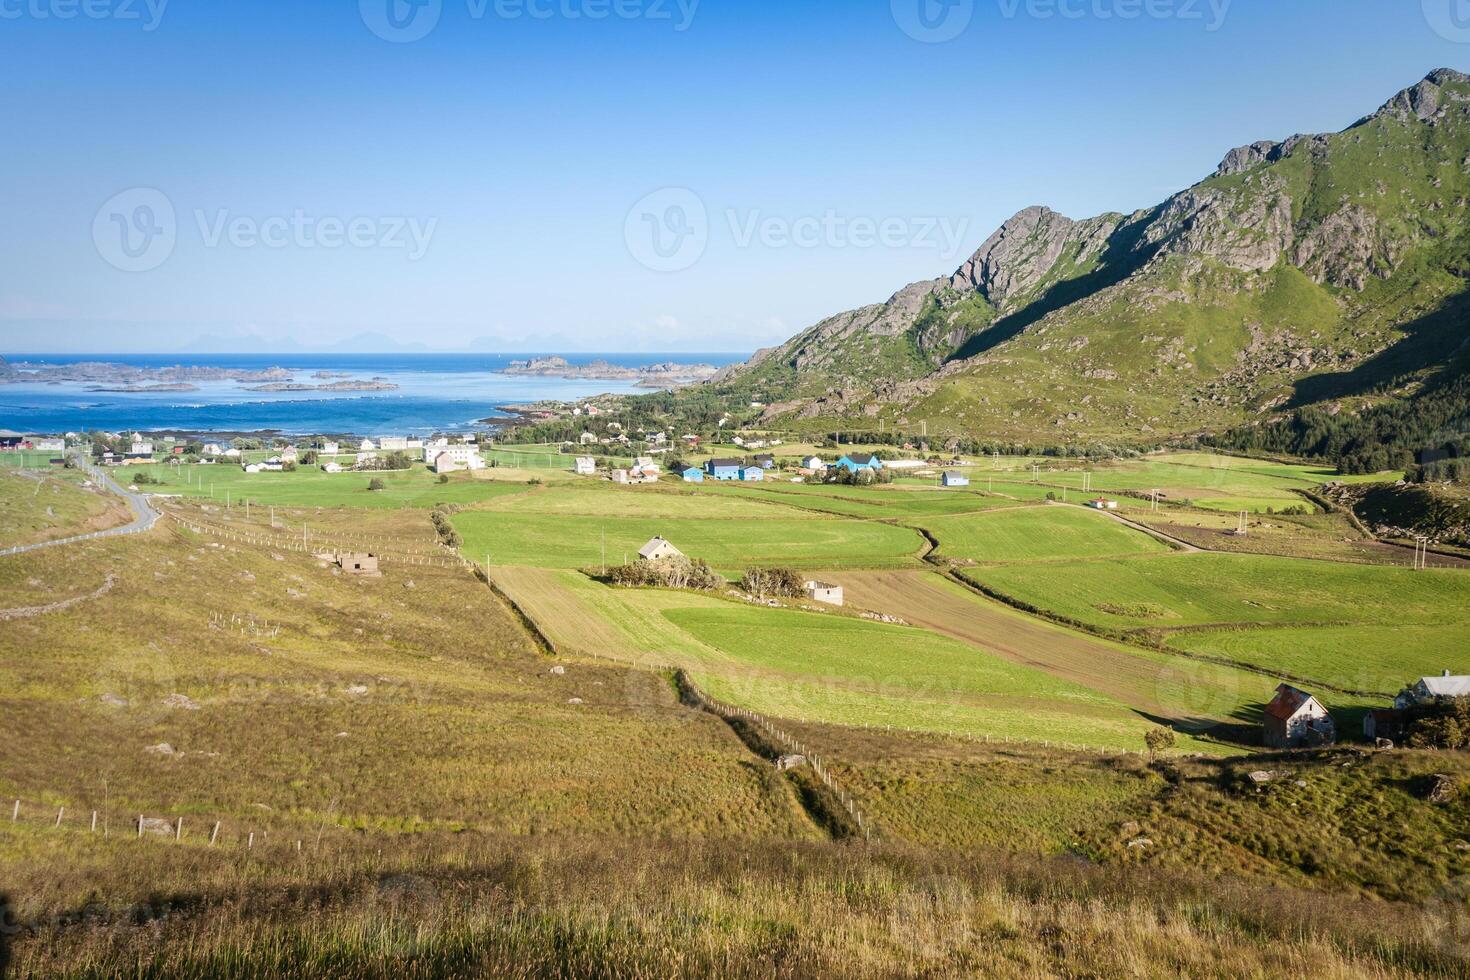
<point>51,445</point>
<point>1426,689</point>
<point>331,467</point>
<point>331,449</point>
<point>588,438</point>
<point>452,459</point>
<point>366,446</point>
<point>394,444</point>
<point>212,449</point>
<point>586,466</point>
<point>288,454</point>
<point>231,453</point>
<point>1103,503</point>
<point>813,463</point>
<point>953,479</point>
<point>658,548</point>
<point>1295,719</point>
<point>905,464</point>
<point>824,592</point>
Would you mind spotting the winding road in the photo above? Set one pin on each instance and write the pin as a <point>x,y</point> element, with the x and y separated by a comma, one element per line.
<point>144,516</point>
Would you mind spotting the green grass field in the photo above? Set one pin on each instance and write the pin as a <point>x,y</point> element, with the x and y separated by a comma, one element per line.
<point>1038,534</point>
<point>1201,589</point>
<point>309,486</point>
<point>1357,658</point>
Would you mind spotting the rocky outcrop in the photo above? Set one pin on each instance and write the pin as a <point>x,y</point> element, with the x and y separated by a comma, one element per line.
<point>1025,251</point>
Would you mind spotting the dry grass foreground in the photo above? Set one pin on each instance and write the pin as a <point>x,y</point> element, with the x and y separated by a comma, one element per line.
<point>466,906</point>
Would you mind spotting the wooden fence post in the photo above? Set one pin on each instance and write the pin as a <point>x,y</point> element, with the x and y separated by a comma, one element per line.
<point>59,814</point>
<point>214,834</point>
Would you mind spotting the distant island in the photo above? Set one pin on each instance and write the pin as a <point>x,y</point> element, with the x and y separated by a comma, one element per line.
<point>142,389</point>
<point>665,375</point>
<point>376,384</point>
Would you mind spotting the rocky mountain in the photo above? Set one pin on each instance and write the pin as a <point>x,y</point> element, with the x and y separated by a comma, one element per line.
<point>1317,269</point>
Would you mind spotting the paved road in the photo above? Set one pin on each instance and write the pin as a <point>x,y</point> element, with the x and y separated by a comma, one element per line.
<point>144,516</point>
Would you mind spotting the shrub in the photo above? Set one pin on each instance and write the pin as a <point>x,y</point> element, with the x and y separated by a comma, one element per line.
<point>377,484</point>
<point>443,478</point>
<point>1157,740</point>
<point>1445,725</point>
<point>677,572</point>
<point>773,583</point>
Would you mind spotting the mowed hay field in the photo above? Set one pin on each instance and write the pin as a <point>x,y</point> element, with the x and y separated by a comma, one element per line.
<point>828,667</point>
<point>1190,694</point>
<point>295,700</point>
<point>1027,534</point>
<point>581,526</point>
<point>49,502</point>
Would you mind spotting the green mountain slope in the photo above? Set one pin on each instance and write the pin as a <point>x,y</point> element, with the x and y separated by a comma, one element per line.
<point>1322,270</point>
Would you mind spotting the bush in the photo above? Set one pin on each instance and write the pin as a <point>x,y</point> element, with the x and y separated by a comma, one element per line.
<point>1444,725</point>
<point>443,478</point>
<point>1157,740</point>
<point>678,572</point>
<point>774,583</point>
<point>377,484</point>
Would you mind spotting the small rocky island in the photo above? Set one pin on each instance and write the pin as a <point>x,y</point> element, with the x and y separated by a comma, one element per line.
<point>376,384</point>
<point>103,377</point>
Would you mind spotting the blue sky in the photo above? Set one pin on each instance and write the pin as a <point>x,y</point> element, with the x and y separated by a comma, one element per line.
<point>489,175</point>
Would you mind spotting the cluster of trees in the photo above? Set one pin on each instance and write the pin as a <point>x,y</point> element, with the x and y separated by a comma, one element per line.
<point>675,572</point>
<point>1444,724</point>
<point>393,461</point>
<point>1389,436</point>
<point>774,583</point>
<point>855,478</point>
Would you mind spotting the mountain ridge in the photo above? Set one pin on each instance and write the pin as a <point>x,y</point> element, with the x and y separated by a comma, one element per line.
<point>1295,258</point>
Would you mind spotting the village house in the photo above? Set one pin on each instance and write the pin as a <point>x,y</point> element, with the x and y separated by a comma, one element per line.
<point>585,466</point>
<point>906,464</point>
<point>588,438</point>
<point>658,549</point>
<point>453,459</point>
<point>1103,503</point>
<point>366,446</point>
<point>1383,723</point>
<point>393,444</point>
<point>231,453</point>
<point>813,464</point>
<point>752,474</point>
<point>51,445</point>
<point>1426,689</point>
<point>723,469</point>
<point>765,461</point>
<point>331,467</point>
<point>269,466</point>
<point>330,449</point>
<point>953,479</point>
<point>693,475</point>
<point>857,462</point>
<point>824,592</point>
<point>213,449</point>
<point>288,455</point>
<point>1294,719</point>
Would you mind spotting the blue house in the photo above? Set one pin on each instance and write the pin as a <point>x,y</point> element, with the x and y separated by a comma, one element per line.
<point>954,479</point>
<point>723,469</point>
<point>766,462</point>
<point>694,475</point>
<point>857,462</point>
<point>752,474</point>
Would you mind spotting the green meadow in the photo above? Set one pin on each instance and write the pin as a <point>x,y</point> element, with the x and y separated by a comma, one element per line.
<point>309,486</point>
<point>1209,589</point>
<point>1028,534</point>
<point>585,541</point>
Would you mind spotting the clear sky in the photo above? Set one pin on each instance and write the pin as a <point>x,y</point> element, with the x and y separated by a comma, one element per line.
<point>609,175</point>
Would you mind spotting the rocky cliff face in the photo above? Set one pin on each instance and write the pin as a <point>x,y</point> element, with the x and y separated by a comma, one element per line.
<point>1319,217</point>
